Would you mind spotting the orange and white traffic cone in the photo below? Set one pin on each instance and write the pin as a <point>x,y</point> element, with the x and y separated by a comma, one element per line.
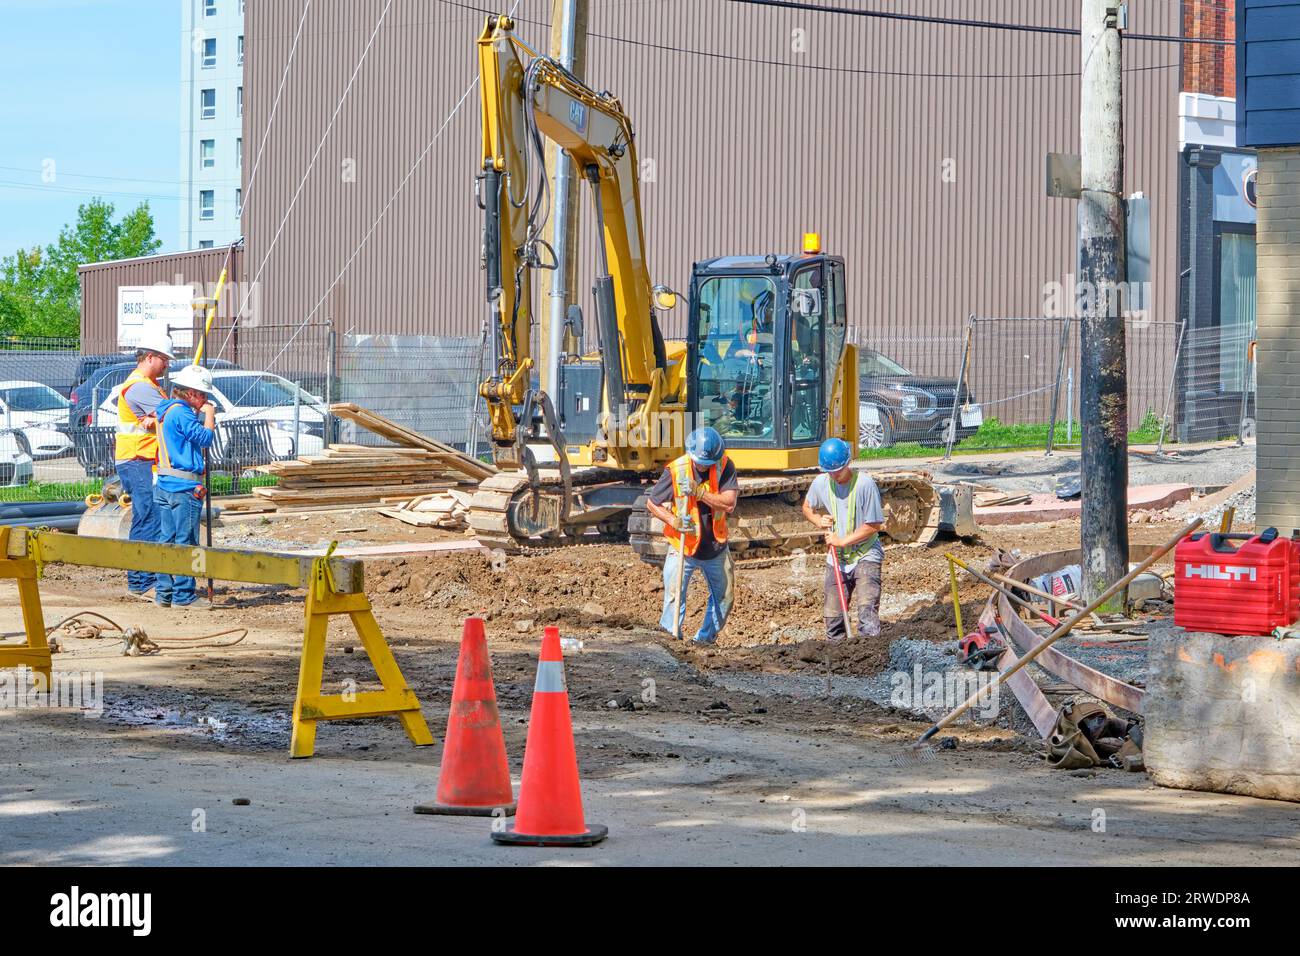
<point>550,794</point>
<point>475,778</point>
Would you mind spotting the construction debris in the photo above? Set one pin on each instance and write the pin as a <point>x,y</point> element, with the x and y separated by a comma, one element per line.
<point>447,509</point>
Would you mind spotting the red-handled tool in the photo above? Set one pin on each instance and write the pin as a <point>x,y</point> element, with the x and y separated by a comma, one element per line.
<point>839,586</point>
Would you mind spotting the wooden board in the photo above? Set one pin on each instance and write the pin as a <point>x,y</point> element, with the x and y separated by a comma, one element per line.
<point>358,494</point>
<point>402,435</point>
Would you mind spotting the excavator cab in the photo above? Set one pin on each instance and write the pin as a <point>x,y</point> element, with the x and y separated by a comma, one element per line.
<point>766,353</point>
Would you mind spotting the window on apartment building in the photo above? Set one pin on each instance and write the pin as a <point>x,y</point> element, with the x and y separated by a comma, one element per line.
<point>239,152</point>
<point>239,52</point>
<point>239,202</point>
<point>207,153</point>
<point>207,203</point>
<point>205,243</point>
<point>210,53</point>
<point>209,8</point>
<point>208,103</point>
<point>239,101</point>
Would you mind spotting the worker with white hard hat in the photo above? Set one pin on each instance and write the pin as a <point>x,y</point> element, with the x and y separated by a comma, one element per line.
<point>186,427</point>
<point>136,447</point>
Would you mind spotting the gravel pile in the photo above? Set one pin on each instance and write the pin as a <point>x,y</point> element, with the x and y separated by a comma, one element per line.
<point>1243,501</point>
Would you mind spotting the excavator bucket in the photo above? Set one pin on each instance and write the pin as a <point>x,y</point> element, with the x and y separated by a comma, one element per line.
<point>108,514</point>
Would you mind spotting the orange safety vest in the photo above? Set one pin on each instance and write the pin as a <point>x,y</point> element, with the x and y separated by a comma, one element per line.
<point>133,439</point>
<point>164,466</point>
<point>681,470</point>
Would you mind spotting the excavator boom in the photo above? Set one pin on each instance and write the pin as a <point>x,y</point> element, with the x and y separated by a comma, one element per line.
<point>766,359</point>
<point>524,104</point>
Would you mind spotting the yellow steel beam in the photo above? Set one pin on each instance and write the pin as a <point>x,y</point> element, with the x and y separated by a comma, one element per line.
<point>224,564</point>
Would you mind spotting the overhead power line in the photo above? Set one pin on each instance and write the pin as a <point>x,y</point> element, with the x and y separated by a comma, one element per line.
<point>302,182</point>
<point>959,22</point>
<point>76,191</point>
<point>814,67</point>
<point>270,122</point>
<point>401,186</point>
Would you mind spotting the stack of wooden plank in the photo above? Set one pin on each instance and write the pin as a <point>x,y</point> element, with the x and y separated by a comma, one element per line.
<point>401,435</point>
<point>360,474</point>
<point>445,509</point>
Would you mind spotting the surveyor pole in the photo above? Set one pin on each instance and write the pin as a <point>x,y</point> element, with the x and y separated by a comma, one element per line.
<point>1103,386</point>
<point>569,46</point>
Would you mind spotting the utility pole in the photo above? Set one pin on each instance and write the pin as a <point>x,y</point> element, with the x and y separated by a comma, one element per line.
<point>569,46</point>
<point>1103,388</point>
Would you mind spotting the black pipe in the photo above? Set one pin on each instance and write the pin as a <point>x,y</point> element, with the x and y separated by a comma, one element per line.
<point>40,509</point>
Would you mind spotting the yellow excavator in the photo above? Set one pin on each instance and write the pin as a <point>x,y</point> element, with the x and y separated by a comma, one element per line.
<point>766,360</point>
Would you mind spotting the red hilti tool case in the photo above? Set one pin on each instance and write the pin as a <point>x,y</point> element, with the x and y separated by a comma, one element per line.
<point>1226,588</point>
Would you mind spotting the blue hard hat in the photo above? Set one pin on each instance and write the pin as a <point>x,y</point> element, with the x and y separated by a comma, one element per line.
<point>705,446</point>
<point>834,454</point>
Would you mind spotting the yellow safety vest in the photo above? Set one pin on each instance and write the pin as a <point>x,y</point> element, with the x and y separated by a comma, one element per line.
<point>681,469</point>
<point>133,439</point>
<point>858,551</point>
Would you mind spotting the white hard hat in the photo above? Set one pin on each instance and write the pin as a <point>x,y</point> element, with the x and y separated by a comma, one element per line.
<point>196,377</point>
<point>156,342</point>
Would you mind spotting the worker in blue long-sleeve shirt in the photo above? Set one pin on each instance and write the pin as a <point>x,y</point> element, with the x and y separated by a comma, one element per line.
<point>186,424</point>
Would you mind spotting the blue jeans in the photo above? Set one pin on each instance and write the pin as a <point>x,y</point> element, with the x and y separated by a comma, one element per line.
<point>137,481</point>
<point>721,579</point>
<point>179,512</point>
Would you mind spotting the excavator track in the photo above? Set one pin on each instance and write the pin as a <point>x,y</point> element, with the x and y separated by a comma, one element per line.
<point>768,524</point>
<point>505,515</point>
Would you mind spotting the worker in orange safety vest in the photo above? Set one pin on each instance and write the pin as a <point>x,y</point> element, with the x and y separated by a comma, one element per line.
<point>693,498</point>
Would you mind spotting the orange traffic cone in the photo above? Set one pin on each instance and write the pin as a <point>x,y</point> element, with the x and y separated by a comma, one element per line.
<point>550,796</point>
<point>474,779</point>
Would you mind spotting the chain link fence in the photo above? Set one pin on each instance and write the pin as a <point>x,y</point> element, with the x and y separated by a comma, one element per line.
<point>37,453</point>
<point>428,383</point>
<point>1013,383</point>
<point>1010,383</point>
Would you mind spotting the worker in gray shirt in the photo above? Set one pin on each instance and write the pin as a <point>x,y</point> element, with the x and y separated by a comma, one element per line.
<point>136,450</point>
<point>846,505</point>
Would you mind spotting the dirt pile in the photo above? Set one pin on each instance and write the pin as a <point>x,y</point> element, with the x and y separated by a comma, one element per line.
<point>582,587</point>
<point>776,625</point>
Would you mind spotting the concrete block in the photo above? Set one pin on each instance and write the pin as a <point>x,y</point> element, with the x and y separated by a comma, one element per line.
<point>1223,713</point>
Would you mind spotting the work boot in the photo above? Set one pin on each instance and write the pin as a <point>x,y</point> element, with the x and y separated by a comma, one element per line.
<point>198,604</point>
<point>146,595</point>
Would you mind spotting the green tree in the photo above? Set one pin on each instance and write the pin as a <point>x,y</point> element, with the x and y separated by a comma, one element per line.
<point>39,290</point>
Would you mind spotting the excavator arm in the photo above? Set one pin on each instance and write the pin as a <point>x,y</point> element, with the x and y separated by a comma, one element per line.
<point>525,102</point>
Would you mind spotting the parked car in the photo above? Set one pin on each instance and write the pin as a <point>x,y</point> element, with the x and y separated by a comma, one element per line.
<point>88,365</point>
<point>244,395</point>
<point>15,464</point>
<point>897,405</point>
<point>103,380</point>
<point>34,412</point>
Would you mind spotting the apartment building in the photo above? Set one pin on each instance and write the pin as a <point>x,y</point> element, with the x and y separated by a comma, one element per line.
<point>211,128</point>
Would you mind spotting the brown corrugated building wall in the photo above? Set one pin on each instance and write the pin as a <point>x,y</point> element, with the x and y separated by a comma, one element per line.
<point>915,149</point>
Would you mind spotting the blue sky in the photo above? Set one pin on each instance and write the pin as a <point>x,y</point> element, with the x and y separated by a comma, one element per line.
<point>93,85</point>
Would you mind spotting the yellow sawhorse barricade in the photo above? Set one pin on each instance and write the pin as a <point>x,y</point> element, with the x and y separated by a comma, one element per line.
<point>334,586</point>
